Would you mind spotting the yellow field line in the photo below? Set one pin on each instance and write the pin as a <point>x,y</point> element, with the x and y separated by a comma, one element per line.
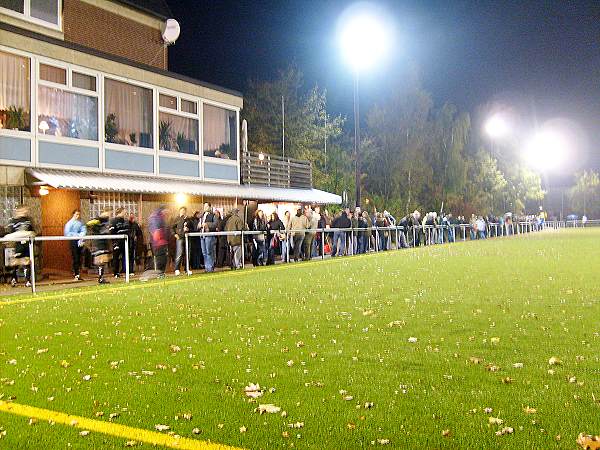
<point>190,279</point>
<point>111,428</point>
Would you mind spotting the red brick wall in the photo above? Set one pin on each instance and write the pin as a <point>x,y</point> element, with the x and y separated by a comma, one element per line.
<point>111,33</point>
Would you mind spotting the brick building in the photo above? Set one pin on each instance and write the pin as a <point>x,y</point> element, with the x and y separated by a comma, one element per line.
<point>91,116</point>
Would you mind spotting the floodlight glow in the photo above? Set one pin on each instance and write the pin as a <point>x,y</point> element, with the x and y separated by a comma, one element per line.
<point>364,40</point>
<point>547,150</point>
<point>497,127</point>
<point>180,199</point>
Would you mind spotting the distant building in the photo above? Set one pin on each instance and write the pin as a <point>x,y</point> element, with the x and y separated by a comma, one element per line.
<point>89,111</point>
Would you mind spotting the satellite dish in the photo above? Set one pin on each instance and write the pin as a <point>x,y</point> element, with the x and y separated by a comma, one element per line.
<point>171,31</point>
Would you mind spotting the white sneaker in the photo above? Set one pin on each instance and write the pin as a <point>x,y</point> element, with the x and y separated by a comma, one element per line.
<point>28,284</point>
<point>76,277</point>
<point>177,273</point>
<point>189,272</point>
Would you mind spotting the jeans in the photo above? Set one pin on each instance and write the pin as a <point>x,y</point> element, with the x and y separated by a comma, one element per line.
<point>481,234</point>
<point>261,252</point>
<point>297,246</point>
<point>362,243</point>
<point>179,251</point>
<point>160,259</point>
<point>382,241</point>
<point>208,251</point>
<point>338,236</point>
<point>308,246</point>
<point>118,258</point>
<point>286,245</point>
<point>76,256</point>
<point>237,256</point>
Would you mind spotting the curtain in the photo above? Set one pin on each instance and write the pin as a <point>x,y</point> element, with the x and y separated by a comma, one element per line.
<point>14,84</point>
<point>68,114</point>
<point>178,134</point>
<point>217,132</point>
<point>132,107</point>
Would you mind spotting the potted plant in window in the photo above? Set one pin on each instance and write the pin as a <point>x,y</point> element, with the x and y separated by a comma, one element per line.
<point>111,130</point>
<point>132,139</point>
<point>15,118</point>
<point>184,144</point>
<point>164,135</point>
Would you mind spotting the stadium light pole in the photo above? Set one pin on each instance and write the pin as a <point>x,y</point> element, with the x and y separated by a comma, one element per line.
<point>364,40</point>
<point>496,127</point>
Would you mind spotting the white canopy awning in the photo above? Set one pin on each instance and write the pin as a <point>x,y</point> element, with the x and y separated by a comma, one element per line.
<point>67,179</point>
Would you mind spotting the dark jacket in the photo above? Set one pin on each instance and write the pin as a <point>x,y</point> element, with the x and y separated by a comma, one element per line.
<point>118,225</point>
<point>24,226</point>
<point>181,226</point>
<point>210,222</point>
<point>341,221</point>
<point>99,226</point>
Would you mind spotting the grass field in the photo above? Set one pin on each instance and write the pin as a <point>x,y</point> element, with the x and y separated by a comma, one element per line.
<point>332,344</point>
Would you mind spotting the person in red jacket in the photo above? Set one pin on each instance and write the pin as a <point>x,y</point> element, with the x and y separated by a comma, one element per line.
<point>159,237</point>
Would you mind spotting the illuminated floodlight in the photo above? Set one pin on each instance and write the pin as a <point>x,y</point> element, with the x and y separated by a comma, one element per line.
<point>364,38</point>
<point>547,150</point>
<point>497,127</point>
<point>180,199</point>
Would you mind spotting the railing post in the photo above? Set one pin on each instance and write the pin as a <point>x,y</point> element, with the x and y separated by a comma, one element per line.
<point>187,255</point>
<point>322,243</point>
<point>126,259</point>
<point>32,264</point>
<point>243,250</point>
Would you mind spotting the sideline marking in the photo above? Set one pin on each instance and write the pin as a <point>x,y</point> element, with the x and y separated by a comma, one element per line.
<point>111,428</point>
<point>175,280</point>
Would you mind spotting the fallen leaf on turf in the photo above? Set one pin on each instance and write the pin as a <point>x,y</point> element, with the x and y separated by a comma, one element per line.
<point>492,368</point>
<point>296,425</point>
<point>529,410</point>
<point>495,421</point>
<point>253,390</point>
<point>268,408</point>
<point>554,361</point>
<point>175,348</point>
<point>84,433</point>
<point>412,339</point>
<point>196,431</point>
<point>475,360</point>
<point>518,365</point>
<point>588,442</point>
<point>495,340</point>
<point>446,433</point>
<point>383,441</point>
<point>350,426</point>
<point>505,430</point>
<point>130,443</point>
<point>160,427</point>
<point>32,421</point>
<point>507,380</point>
<point>243,429</point>
<point>87,377</point>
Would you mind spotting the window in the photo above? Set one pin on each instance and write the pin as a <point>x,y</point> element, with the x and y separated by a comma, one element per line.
<point>65,111</point>
<point>13,5</point>
<point>178,127</point>
<point>40,11</point>
<point>53,74</point>
<point>15,98</point>
<point>46,10</point>
<point>166,101</point>
<point>220,132</point>
<point>10,198</point>
<point>83,81</point>
<point>114,200</point>
<point>128,110</point>
<point>178,134</point>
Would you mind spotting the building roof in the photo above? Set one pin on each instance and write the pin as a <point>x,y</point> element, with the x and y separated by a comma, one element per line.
<point>80,180</point>
<point>156,8</point>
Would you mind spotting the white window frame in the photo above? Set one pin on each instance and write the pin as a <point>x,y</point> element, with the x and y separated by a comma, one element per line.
<point>177,112</point>
<point>70,68</point>
<point>131,148</point>
<point>26,15</point>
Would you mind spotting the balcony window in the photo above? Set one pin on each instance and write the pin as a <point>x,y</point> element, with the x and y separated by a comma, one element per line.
<point>178,134</point>
<point>15,98</point>
<point>189,107</point>
<point>43,12</point>
<point>167,101</point>
<point>53,74</point>
<point>219,132</point>
<point>67,114</point>
<point>83,81</point>
<point>128,114</point>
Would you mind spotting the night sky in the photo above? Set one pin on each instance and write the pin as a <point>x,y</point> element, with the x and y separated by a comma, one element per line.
<point>539,59</point>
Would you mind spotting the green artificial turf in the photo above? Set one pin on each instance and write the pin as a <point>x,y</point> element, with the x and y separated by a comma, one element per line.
<point>324,340</point>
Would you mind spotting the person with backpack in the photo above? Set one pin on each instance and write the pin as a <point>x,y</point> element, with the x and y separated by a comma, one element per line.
<point>100,249</point>
<point>21,226</point>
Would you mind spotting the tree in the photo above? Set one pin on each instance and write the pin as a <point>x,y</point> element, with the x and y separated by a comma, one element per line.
<point>586,194</point>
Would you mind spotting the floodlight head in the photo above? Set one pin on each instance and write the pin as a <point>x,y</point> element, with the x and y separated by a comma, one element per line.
<point>546,150</point>
<point>497,127</point>
<point>364,37</point>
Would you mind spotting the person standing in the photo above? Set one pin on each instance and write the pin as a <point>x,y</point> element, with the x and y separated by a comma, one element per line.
<point>75,228</point>
<point>21,226</point>
<point>119,226</point>
<point>298,224</point>
<point>341,221</point>
<point>222,246</point>
<point>136,243</point>
<point>100,249</point>
<point>180,228</point>
<point>260,224</point>
<point>277,229</point>
<point>159,238</point>
<point>313,222</point>
<point>208,224</point>
<point>195,249</point>
<point>233,222</point>
<point>287,243</point>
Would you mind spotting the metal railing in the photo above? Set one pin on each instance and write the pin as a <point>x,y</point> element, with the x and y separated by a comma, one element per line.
<point>32,239</point>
